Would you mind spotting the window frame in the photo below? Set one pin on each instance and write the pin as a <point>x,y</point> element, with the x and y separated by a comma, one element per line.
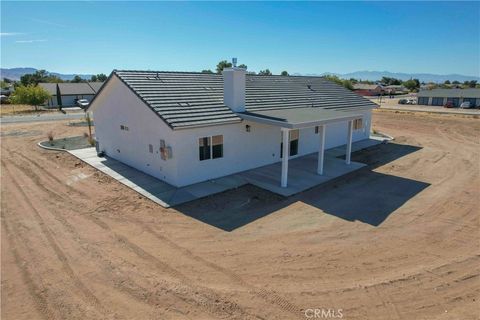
<point>209,155</point>
<point>297,145</point>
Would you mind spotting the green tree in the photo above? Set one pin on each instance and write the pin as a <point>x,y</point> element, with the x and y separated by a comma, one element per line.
<point>265,72</point>
<point>390,81</point>
<point>412,84</point>
<point>31,95</point>
<point>455,82</point>
<point>447,82</point>
<point>284,73</point>
<point>4,84</point>
<point>345,83</point>
<point>37,77</point>
<point>207,71</point>
<point>472,83</point>
<point>243,66</point>
<point>222,65</point>
<point>77,79</point>
<point>94,78</point>
<point>102,77</point>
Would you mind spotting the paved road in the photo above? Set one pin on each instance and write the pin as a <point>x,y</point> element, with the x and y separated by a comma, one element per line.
<point>42,117</point>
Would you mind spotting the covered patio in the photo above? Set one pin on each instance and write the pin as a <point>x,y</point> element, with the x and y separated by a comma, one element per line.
<point>302,171</point>
<point>300,118</point>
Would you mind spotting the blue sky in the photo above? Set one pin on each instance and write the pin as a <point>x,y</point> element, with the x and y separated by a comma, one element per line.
<point>303,37</point>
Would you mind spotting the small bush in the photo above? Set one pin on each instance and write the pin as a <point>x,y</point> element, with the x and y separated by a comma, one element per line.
<point>50,136</point>
<point>91,141</point>
<point>85,135</point>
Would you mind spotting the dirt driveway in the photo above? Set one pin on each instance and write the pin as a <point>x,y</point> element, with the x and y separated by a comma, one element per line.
<point>398,240</point>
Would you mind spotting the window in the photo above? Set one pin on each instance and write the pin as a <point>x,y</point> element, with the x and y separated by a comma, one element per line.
<point>123,127</point>
<point>437,101</point>
<point>204,148</point>
<point>316,129</point>
<point>210,147</point>
<point>293,137</point>
<point>217,147</point>
<point>423,100</point>
<point>150,148</point>
<point>357,124</point>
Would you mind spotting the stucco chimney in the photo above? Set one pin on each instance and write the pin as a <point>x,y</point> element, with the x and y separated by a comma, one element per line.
<point>234,88</point>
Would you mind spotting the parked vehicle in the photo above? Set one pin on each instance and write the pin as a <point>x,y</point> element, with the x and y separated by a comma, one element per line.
<point>403,101</point>
<point>466,105</point>
<point>411,101</point>
<point>82,103</point>
<point>449,104</point>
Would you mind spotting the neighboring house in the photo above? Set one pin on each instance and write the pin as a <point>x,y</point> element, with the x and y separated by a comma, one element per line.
<point>395,89</point>
<point>364,89</point>
<point>185,128</point>
<point>439,97</point>
<point>66,94</point>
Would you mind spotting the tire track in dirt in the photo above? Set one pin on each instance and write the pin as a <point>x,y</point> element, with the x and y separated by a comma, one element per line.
<point>211,306</point>
<point>268,296</point>
<point>34,290</point>
<point>88,295</point>
<point>46,172</point>
<point>262,293</point>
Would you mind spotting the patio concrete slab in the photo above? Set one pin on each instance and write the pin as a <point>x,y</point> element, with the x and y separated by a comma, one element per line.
<point>301,176</point>
<point>152,188</point>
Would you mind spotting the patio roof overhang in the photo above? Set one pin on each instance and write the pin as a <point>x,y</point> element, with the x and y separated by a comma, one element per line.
<point>296,118</point>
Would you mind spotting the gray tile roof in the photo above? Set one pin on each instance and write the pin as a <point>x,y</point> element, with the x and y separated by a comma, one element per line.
<point>50,87</point>
<point>95,86</point>
<point>75,88</point>
<point>450,93</point>
<point>365,86</point>
<point>187,99</point>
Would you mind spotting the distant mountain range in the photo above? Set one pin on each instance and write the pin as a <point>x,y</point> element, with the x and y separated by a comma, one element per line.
<point>423,77</point>
<point>16,73</point>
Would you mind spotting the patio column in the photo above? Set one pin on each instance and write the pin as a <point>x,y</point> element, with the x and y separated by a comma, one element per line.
<point>321,150</point>
<point>286,153</point>
<point>349,142</point>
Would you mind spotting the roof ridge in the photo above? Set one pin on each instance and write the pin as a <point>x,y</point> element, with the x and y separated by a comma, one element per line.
<point>217,74</point>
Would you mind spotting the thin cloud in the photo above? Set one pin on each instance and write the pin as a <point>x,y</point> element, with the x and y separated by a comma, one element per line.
<point>51,23</point>
<point>9,34</point>
<point>31,41</point>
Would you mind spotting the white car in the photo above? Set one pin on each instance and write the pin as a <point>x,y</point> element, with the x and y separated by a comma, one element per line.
<point>466,105</point>
<point>83,103</point>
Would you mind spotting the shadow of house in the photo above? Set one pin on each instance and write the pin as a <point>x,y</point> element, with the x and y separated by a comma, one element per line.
<point>363,195</point>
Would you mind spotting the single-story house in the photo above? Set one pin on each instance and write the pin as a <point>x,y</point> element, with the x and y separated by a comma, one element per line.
<point>186,127</point>
<point>439,97</point>
<point>66,94</point>
<point>395,89</point>
<point>365,89</point>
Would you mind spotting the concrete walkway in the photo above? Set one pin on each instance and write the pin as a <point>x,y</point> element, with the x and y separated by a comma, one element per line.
<point>302,176</point>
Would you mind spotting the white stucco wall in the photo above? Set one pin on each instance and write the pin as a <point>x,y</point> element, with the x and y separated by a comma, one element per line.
<point>246,150</point>
<point>117,105</point>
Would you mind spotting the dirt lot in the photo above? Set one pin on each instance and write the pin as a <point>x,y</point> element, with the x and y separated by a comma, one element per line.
<point>15,109</point>
<point>398,240</point>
